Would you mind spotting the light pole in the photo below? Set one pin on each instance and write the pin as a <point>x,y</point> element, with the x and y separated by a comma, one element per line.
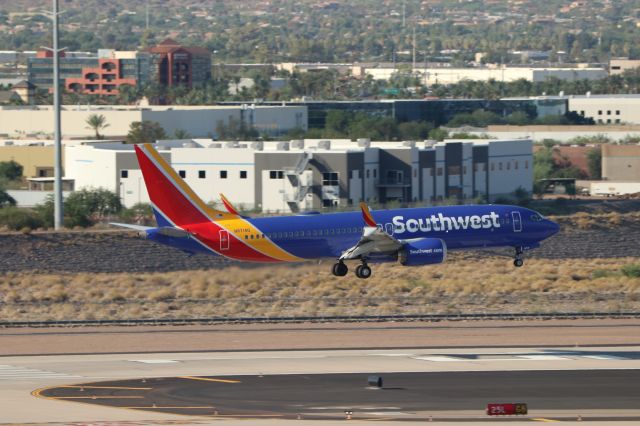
<point>57,164</point>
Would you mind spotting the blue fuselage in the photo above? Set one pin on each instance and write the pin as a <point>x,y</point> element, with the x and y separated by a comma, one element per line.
<point>313,236</point>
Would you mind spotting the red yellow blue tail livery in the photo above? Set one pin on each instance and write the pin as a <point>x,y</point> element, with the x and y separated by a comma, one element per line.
<point>411,237</point>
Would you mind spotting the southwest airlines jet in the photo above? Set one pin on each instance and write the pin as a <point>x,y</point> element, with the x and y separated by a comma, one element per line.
<point>412,237</point>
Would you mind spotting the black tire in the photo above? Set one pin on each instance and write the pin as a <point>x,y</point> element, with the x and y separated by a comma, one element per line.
<point>518,263</point>
<point>363,271</point>
<point>340,269</point>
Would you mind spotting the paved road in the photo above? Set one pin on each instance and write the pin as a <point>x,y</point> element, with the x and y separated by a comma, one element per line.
<point>403,396</point>
<point>244,337</point>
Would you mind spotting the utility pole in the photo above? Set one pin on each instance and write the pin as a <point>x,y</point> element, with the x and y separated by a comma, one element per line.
<point>404,13</point>
<point>413,68</point>
<point>147,16</point>
<point>58,213</point>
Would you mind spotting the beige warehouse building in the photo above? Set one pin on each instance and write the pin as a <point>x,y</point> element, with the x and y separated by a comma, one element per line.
<point>198,121</point>
<point>621,163</point>
<point>37,161</point>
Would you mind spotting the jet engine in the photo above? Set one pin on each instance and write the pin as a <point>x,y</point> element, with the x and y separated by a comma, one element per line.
<point>423,251</point>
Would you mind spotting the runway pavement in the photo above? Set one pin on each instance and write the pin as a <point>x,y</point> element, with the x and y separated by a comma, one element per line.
<point>600,385</point>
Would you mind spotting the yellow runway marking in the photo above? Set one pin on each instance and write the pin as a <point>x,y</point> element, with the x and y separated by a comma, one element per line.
<point>103,387</point>
<point>96,397</point>
<point>544,420</point>
<point>204,379</point>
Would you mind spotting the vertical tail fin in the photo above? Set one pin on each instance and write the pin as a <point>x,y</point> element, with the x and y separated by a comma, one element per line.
<point>174,202</point>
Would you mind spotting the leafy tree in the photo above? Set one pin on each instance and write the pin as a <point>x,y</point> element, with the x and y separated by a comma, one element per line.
<point>594,163</point>
<point>181,134</point>
<point>11,170</point>
<point>145,132</point>
<point>438,134</point>
<point>235,129</point>
<point>97,122</point>
<point>83,207</point>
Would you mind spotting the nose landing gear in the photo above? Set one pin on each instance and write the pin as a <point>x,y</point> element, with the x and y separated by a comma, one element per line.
<point>518,261</point>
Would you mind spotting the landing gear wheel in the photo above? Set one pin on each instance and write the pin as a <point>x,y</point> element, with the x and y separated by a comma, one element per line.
<point>518,262</point>
<point>363,271</point>
<point>340,269</point>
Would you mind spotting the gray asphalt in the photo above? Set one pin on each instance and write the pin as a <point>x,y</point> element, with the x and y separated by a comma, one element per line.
<point>413,395</point>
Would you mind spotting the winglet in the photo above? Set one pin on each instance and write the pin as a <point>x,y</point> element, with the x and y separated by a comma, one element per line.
<point>228,205</point>
<point>366,215</point>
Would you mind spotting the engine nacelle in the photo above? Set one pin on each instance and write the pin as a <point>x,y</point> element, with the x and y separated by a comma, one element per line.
<point>425,251</point>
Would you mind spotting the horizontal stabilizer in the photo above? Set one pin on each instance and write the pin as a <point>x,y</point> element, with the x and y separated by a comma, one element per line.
<point>130,226</point>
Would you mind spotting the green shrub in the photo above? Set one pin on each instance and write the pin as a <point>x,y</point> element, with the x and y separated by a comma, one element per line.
<point>16,219</point>
<point>631,271</point>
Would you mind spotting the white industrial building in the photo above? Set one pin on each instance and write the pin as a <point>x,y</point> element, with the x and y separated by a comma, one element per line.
<point>198,121</point>
<point>304,175</point>
<point>607,109</point>
<point>507,74</point>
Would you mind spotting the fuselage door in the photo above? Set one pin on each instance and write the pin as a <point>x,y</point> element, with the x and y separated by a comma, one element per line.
<point>517,221</point>
<point>224,240</point>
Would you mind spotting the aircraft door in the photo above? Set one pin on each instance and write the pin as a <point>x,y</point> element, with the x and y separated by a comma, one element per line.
<point>224,240</point>
<point>517,221</point>
<point>388,227</point>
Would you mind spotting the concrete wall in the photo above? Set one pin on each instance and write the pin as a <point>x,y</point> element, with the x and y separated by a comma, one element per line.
<point>621,162</point>
<point>510,167</point>
<point>455,75</point>
<point>198,121</point>
<point>214,161</point>
<point>560,133</point>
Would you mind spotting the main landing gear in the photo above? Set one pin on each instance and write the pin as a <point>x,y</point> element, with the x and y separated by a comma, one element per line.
<point>362,271</point>
<point>518,261</point>
<point>340,269</point>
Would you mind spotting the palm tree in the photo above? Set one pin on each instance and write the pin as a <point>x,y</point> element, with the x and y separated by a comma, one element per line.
<point>97,123</point>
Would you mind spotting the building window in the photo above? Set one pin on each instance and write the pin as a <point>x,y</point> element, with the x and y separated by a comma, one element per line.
<point>515,165</point>
<point>493,166</point>
<point>368,173</point>
<point>508,165</point>
<point>608,121</point>
<point>617,121</point>
<point>439,172</point>
<point>617,112</point>
<point>464,170</point>
<point>526,164</point>
<point>499,165</point>
<point>202,174</point>
<point>330,179</point>
<point>415,172</point>
<point>276,174</point>
<point>182,173</point>
<point>608,112</point>
<point>375,173</point>
<point>582,113</point>
<point>431,171</point>
<point>395,176</point>
<point>124,174</point>
<point>243,174</point>
<point>599,112</point>
<point>599,121</point>
<point>223,174</point>
<point>453,170</point>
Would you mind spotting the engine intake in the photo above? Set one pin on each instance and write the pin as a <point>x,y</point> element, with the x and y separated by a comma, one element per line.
<point>425,251</point>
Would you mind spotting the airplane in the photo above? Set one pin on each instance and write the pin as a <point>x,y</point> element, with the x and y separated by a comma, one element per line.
<point>409,236</point>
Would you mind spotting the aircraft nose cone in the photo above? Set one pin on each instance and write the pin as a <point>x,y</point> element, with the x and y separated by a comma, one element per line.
<point>553,228</point>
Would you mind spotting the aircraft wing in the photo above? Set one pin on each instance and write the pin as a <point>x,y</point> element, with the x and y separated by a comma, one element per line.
<point>374,239</point>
